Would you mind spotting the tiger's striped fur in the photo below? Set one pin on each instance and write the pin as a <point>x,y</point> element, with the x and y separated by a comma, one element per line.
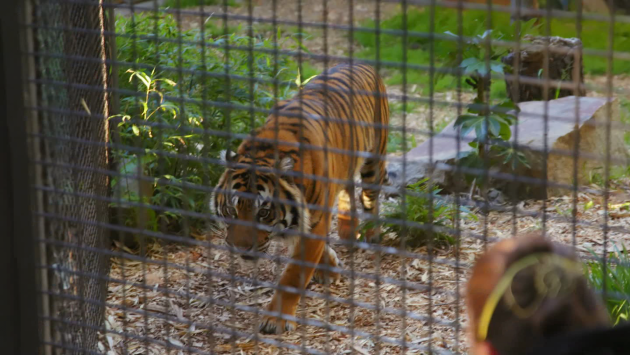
<point>337,116</point>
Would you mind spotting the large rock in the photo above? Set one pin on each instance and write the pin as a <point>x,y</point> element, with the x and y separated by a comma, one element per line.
<point>437,158</point>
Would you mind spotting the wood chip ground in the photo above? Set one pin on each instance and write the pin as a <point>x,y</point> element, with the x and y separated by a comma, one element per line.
<point>180,300</point>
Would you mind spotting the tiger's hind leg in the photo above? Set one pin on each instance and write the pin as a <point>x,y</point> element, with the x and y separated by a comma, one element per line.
<point>374,174</point>
<point>347,225</point>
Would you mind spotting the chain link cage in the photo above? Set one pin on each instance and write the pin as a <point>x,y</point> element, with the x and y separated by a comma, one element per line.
<point>312,177</point>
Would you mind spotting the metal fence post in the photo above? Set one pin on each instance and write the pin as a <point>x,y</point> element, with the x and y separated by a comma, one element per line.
<point>18,299</point>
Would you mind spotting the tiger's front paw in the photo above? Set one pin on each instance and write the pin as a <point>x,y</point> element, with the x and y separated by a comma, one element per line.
<point>274,325</point>
<point>333,260</point>
<point>373,235</point>
<point>320,276</point>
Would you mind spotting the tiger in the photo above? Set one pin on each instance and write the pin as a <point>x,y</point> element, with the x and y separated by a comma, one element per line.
<point>289,173</point>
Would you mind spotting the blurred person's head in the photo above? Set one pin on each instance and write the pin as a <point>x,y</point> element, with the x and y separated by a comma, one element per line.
<point>526,290</point>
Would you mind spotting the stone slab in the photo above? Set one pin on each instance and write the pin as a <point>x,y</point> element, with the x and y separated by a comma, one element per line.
<point>436,156</point>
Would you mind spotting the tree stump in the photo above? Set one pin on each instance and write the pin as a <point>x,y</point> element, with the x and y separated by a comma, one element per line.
<point>622,6</point>
<point>565,68</point>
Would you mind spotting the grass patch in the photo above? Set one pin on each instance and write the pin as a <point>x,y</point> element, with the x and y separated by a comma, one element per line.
<point>418,49</point>
<point>175,4</point>
<point>595,36</point>
<point>617,278</point>
<point>498,90</point>
<point>396,142</point>
<point>416,210</point>
<point>474,22</point>
<point>394,53</point>
<point>408,107</point>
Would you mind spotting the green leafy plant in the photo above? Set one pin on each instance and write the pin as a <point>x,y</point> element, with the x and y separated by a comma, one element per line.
<point>300,82</point>
<point>143,126</point>
<point>416,209</point>
<point>490,123</point>
<point>174,115</point>
<point>617,279</point>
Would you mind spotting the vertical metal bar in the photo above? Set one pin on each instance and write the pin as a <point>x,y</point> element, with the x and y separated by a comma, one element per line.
<point>378,260</point>
<point>458,175</point>
<point>19,313</point>
<point>516,69</point>
<point>607,164</point>
<point>430,212</point>
<point>8,276</point>
<point>577,81</point>
<point>33,125</point>
<point>405,233</point>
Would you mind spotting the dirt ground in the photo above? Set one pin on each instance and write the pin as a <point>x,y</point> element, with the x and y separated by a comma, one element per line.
<point>183,300</point>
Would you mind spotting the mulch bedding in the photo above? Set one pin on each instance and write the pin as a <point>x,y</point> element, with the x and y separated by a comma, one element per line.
<point>183,299</point>
<point>196,298</point>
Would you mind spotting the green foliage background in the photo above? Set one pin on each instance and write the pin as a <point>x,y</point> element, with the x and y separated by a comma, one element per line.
<point>177,89</point>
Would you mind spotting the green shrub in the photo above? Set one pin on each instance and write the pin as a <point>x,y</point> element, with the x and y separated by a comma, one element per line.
<point>416,209</point>
<point>172,107</point>
<point>617,277</point>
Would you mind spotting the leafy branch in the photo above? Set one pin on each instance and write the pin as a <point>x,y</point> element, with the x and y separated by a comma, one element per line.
<point>477,59</point>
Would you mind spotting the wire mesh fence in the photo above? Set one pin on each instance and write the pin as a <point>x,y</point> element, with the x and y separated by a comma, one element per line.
<point>317,177</point>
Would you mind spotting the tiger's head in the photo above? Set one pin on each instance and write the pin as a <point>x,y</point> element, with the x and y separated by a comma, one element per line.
<point>254,206</point>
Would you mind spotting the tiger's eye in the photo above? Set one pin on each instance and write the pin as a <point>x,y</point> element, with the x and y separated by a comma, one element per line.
<point>264,213</point>
<point>230,211</point>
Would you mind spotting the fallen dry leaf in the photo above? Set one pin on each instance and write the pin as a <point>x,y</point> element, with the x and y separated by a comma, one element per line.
<point>153,278</point>
<point>194,256</point>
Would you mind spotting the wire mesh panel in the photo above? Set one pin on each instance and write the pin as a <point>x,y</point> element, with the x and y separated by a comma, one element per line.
<point>317,177</point>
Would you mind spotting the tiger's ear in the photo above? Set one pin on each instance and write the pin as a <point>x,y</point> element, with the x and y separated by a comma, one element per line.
<point>225,157</point>
<point>286,164</point>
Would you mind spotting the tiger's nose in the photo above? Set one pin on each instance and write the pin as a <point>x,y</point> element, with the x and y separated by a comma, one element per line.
<point>245,254</point>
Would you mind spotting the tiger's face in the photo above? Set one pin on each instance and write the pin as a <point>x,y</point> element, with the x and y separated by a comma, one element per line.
<point>256,206</point>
